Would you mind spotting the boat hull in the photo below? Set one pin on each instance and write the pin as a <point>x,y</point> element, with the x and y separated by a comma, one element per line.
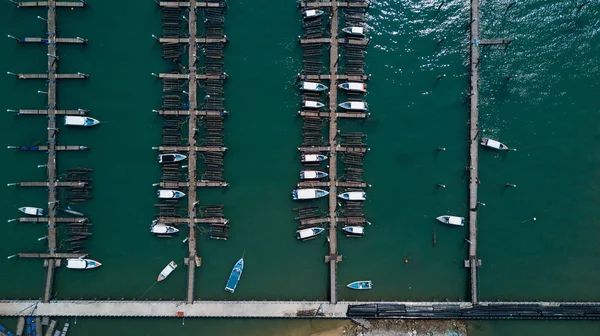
<point>167,271</point>
<point>82,264</point>
<point>234,277</point>
<point>452,220</point>
<point>361,285</point>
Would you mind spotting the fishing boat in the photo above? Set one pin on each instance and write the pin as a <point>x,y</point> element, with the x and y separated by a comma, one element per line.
<point>312,86</point>
<point>313,157</point>
<point>310,193</point>
<point>72,212</point>
<point>353,86</point>
<point>80,121</point>
<point>354,230</point>
<point>312,13</point>
<point>354,106</point>
<point>81,263</point>
<point>356,31</point>
<point>167,270</point>
<point>162,229</point>
<point>168,193</point>
<point>366,284</point>
<point>32,211</point>
<point>493,144</point>
<point>312,174</point>
<point>309,233</point>
<point>235,275</point>
<point>452,220</point>
<point>353,196</point>
<point>171,158</point>
<point>312,104</point>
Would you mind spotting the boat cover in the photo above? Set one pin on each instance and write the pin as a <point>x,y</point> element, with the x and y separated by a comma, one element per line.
<point>306,233</point>
<point>355,229</point>
<point>167,193</point>
<point>455,220</point>
<point>75,120</point>
<point>493,143</point>
<point>357,30</point>
<point>307,193</point>
<point>310,174</point>
<point>311,157</point>
<point>161,228</point>
<point>310,85</point>
<point>310,12</point>
<point>310,103</point>
<point>357,105</point>
<point>356,86</point>
<point>356,195</point>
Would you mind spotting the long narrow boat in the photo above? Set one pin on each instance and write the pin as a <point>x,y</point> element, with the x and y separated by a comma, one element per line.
<point>312,13</point>
<point>313,157</point>
<point>365,284</point>
<point>354,230</point>
<point>81,263</point>
<point>309,233</point>
<point>353,196</point>
<point>162,229</point>
<point>312,174</point>
<point>171,158</point>
<point>354,87</point>
<point>493,144</point>
<point>311,104</point>
<point>354,106</point>
<point>80,121</point>
<point>310,193</point>
<point>32,211</point>
<point>452,220</point>
<point>312,86</point>
<point>356,31</point>
<point>234,277</point>
<point>167,270</point>
<point>169,193</point>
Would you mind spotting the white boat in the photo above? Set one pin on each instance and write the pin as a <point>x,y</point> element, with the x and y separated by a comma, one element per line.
<point>80,121</point>
<point>312,104</point>
<point>81,263</point>
<point>312,13</point>
<point>354,230</point>
<point>308,233</point>
<point>452,220</point>
<point>168,193</point>
<point>309,193</point>
<point>312,174</point>
<point>353,86</point>
<point>32,211</point>
<point>312,86</point>
<point>162,229</point>
<point>167,270</point>
<point>171,158</point>
<point>357,31</point>
<point>493,144</point>
<point>313,157</point>
<point>353,196</point>
<point>354,106</point>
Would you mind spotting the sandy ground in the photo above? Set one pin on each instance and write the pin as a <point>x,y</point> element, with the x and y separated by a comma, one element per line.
<point>400,328</point>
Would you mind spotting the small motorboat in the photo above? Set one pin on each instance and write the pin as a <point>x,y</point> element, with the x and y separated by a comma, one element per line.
<point>162,229</point>
<point>310,193</point>
<point>353,86</point>
<point>168,193</point>
<point>452,220</point>
<point>354,230</point>
<point>312,86</point>
<point>171,158</point>
<point>309,233</point>
<point>368,284</point>
<point>167,270</point>
<point>32,211</point>
<point>356,31</point>
<point>313,157</point>
<point>312,13</point>
<point>353,196</point>
<point>354,106</point>
<point>81,263</point>
<point>80,121</point>
<point>234,277</point>
<point>312,104</point>
<point>493,144</point>
<point>312,174</point>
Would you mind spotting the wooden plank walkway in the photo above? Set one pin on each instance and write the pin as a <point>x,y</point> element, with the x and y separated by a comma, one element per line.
<point>200,184</point>
<point>187,113</point>
<point>322,114</point>
<point>50,256</point>
<point>74,4</point>
<point>49,184</point>
<point>58,148</point>
<point>53,76</point>
<point>196,76</point>
<point>187,149</point>
<point>183,220</point>
<point>338,76</point>
<point>56,220</point>
<point>316,184</point>
<point>199,40</point>
<point>56,112</point>
<point>338,148</point>
<point>57,40</point>
<point>175,4</point>
<point>324,40</point>
<point>318,4</point>
<point>492,42</point>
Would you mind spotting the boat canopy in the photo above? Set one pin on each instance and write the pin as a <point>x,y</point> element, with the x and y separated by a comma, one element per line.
<point>307,193</point>
<point>357,105</point>
<point>356,86</point>
<point>76,263</point>
<point>307,233</point>
<point>163,229</point>
<point>310,86</point>
<point>455,220</point>
<point>357,30</point>
<point>494,144</point>
<point>80,121</point>
<point>311,103</point>
<point>355,229</point>
<point>310,174</point>
<point>355,195</point>
<point>310,12</point>
<point>312,157</point>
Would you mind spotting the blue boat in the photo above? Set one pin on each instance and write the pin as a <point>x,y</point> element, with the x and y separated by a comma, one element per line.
<point>367,284</point>
<point>235,275</point>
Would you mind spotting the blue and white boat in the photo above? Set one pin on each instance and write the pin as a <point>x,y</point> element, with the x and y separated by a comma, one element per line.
<point>312,174</point>
<point>162,229</point>
<point>80,121</point>
<point>309,233</point>
<point>354,230</point>
<point>311,104</point>
<point>309,193</point>
<point>32,211</point>
<point>171,158</point>
<point>169,194</point>
<point>312,86</point>
<point>353,86</point>
<point>81,263</point>
<point>366,284</point>
<point>353,196</point>
<point>452,220</point>
<point>312,13</point>
<point>493,144</point>
<point>235,275</point>
<point>354,106</point>
<point>356,31</point>
<point>306,158</point>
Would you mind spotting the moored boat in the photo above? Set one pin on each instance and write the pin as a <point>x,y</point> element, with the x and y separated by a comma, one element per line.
<point>354,230</point>
<point>162,229</point>
<point>312,104</point>
<point>312,13</point>
<point>80,121</point>
<point>309,193</point>
<point>365,284</point>
<point>313,157</point>
<point>353,195</point>
<point>493,144</point>
<point>312,174</point>
<point>171,158</point>
<point>81,263</point>
<point>356,31</point>
<point>309,233</point>
<point>167,270</point>
<point>353,86</point>
<point>312,86</point>
<point>32,211</point>
<point>168,193</point>
<point>354,106</point>
<point>452,220</point>
<point>234,277</point>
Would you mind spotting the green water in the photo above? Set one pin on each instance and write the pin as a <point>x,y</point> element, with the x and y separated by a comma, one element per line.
<point>546,110</point>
